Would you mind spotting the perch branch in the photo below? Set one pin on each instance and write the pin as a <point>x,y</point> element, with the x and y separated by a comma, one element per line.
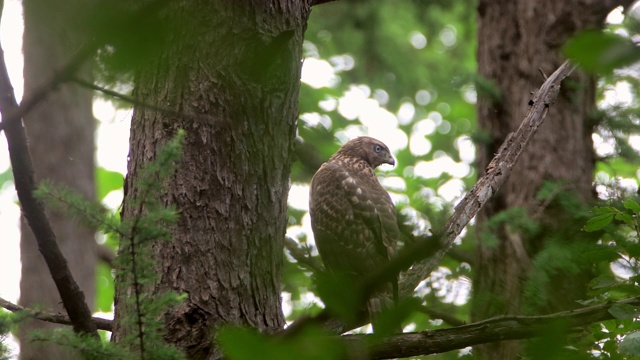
<point>495,329</point>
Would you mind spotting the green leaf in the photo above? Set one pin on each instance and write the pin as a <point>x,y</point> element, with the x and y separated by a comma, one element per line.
<point>390,320</point>
<point>340,295</point>
<point>624,311</point>
<point>6,176</point>
<point>104,288</point>
<point>630,345</point>
<point>598,222</point>
<point>107,181</point>
<point>633,250</point>
<point>601,52</point>
<point>626,218</point>
<point>609,346</point>
<point>632,205</point>
<point>605,254</point>
<point>602,282</point>
<point>247,344</point>
<point>602,210</point>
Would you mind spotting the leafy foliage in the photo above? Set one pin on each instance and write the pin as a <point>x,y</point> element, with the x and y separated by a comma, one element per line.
<point>417,77</point>
<point>6,321</point>
<point>601,52</point>
<point>313,343</point>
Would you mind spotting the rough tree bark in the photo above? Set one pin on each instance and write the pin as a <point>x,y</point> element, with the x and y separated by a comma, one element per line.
<point>60,131</point>
<point>234,74</point>
<point>515,39</point>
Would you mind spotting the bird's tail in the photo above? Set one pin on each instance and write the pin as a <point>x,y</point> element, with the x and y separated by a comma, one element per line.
<point>381,301</point>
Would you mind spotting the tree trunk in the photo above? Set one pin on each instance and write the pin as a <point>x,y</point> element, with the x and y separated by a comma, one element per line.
<point>60,131</point>
<point>234,77</point>
<point>515,39</point>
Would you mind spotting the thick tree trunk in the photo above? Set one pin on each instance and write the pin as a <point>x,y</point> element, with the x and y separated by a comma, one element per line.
<point>61,140</point>
<point>235,76</point>
<point>515,39</point>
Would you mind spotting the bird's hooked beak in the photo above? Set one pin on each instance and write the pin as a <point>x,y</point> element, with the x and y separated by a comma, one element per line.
<point>390,160</point>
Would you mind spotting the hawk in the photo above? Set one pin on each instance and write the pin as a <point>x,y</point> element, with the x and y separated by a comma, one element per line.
<point>352,215</point>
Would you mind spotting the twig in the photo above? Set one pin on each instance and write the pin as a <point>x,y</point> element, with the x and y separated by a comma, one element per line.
<point>442,315</point>
<point>206,119</point>
<point>300,255</point>
<point>100,323</point>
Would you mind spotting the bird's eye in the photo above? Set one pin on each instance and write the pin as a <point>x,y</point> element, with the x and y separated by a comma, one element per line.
<point>377,148</point>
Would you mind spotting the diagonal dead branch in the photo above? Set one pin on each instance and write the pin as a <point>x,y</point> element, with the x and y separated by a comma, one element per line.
<point>497,172</point>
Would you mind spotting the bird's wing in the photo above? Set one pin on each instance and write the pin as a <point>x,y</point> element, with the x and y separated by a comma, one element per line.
<point>353,220</point>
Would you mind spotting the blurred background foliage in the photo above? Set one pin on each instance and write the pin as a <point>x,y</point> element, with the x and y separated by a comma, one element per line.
<point>405,71</point>
<point>416,60</point>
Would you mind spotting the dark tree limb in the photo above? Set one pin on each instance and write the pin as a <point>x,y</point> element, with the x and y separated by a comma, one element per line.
<point>428,342</point>
<point>486,331</point>
<point>33,209</point>
<point>100,323</point>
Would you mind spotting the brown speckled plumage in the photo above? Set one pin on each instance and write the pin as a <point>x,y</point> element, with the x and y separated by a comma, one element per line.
<point>352,215</point>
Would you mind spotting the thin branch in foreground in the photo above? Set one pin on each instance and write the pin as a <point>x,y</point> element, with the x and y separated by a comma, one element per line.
<point>33,210</point>
<point>298,253</point>
<point>482,332</point>
<point>100,323</point>
<point>206,119</point>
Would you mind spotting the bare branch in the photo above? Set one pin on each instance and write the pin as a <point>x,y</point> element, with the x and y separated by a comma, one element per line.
<point>100,323</point>
<point>486,331</point>
<point>33,209</point>
<point>206,119</point>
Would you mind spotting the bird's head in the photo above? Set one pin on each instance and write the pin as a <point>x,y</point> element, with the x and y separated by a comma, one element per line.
<point>371,150</point>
